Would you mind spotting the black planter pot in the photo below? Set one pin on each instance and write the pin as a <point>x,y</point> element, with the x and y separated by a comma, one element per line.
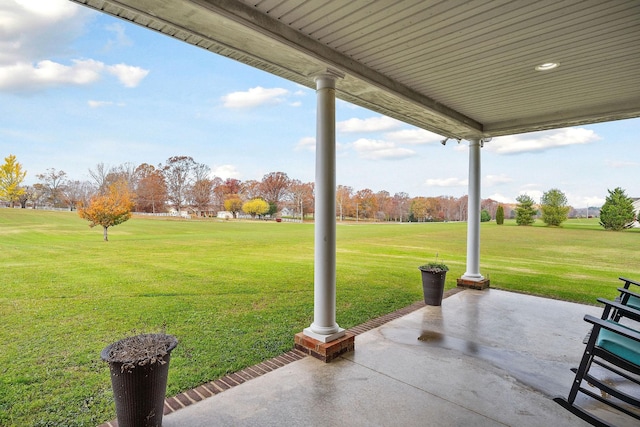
<point>433,286</point>
<point>139,386</point>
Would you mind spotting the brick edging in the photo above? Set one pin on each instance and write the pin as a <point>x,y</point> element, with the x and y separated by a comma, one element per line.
<point>211,388</point>
<point>189,397</point>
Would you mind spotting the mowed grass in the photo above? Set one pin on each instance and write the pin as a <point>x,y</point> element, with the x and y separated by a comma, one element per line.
<point>235,293</point>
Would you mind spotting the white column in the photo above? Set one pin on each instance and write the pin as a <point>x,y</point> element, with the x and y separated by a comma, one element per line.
<point>324,327</point>
<point>473,216</point>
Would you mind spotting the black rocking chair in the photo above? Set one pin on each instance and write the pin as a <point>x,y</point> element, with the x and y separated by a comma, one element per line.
<point>629,297</point>
<point>615,348</point>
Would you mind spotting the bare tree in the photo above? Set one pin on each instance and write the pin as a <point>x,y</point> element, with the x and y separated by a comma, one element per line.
<point>53,185</point>
<point>99,175</point>
<point>463,203</point>
<point>76,192</point>
<point>300,196</point>
<point>178,177</point>
<point>38,193</point>
<point>201,172</point>
<point>126,172</point>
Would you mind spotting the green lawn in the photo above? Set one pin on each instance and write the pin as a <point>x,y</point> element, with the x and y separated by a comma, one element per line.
<point>235,293</point>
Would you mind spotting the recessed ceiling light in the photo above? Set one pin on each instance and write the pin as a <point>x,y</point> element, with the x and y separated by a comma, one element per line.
<point>547,66</point>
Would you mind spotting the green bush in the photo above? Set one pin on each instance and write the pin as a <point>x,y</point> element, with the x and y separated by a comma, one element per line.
<point>554,207</point>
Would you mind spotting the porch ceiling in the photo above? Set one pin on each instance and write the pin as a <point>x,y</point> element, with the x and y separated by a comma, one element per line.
<point>458,68</point>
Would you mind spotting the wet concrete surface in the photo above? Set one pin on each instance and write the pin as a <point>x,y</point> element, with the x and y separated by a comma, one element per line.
<point>483,358</point>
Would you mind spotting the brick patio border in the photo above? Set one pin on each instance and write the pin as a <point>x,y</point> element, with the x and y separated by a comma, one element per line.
<point>189,397</point>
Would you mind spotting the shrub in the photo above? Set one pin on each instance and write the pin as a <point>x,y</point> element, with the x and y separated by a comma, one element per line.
<point>554,207</point>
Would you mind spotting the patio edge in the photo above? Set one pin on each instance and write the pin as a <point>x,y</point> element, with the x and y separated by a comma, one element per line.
<point>211,388</point>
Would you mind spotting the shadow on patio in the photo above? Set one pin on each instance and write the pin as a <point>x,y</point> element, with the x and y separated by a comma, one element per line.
<point>485,358</point>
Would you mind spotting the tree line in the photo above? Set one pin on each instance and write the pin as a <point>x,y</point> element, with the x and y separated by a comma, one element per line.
<point>181,184</point>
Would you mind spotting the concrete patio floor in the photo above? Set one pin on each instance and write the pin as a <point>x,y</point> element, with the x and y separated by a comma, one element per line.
<point>484,358</point>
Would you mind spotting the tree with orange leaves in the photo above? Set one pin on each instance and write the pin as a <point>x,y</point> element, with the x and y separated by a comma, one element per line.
<point>109,209</point>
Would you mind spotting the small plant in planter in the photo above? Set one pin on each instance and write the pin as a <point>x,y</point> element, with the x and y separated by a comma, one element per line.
<point>433,278</point>
<point>139,367</point>
<point>434,267</point>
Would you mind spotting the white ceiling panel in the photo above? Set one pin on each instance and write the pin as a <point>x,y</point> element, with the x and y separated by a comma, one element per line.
<point>456,67</point>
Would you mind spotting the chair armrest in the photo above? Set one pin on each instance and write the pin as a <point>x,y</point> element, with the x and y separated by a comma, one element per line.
<point>623,308</point>
<point>628,282</point>
<point>625,331</point>
<point>628,292</point>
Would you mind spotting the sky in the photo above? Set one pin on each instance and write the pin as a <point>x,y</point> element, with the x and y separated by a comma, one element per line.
<point>79,88</point>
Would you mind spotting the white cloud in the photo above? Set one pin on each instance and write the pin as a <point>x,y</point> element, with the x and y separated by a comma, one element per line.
<point>47,8</point>
<point>121,37</point>
<point>497,179</point>
<point>541,141</point>
<point>306,143</point>
<point>33,31</point>
<point>372,124</point>
<point>254,97</point>
<point>27,77</point>
<point>585,201</point>
<point>501,198</point>
<point>380,150</point>
<point>621,164</point>
<point>128,75</point>
<point>226,171</point>
<point>446,182</point>
<point>574,200</point>
<point>413,136</point>
<point>97,104</point>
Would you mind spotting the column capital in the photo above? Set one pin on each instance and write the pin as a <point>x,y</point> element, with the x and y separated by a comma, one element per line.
<point>479,141</point>
<point>475,141</point>
<point>328,78</point>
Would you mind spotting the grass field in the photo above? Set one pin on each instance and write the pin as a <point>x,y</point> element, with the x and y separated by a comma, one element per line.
<point>235,293</point>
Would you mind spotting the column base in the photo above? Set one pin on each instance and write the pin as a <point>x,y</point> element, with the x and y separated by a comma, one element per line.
<point>322,337</point>
<point>325,351</point>
<point>474,284</point>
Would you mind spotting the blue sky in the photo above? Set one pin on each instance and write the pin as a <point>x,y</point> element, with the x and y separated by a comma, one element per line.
<point>78,88</point>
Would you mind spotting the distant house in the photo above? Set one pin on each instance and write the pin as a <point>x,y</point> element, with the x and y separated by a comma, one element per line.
<point>636,209</point>
<point>183,214</point>
<point>286,212</point>
<point>224,215</point>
